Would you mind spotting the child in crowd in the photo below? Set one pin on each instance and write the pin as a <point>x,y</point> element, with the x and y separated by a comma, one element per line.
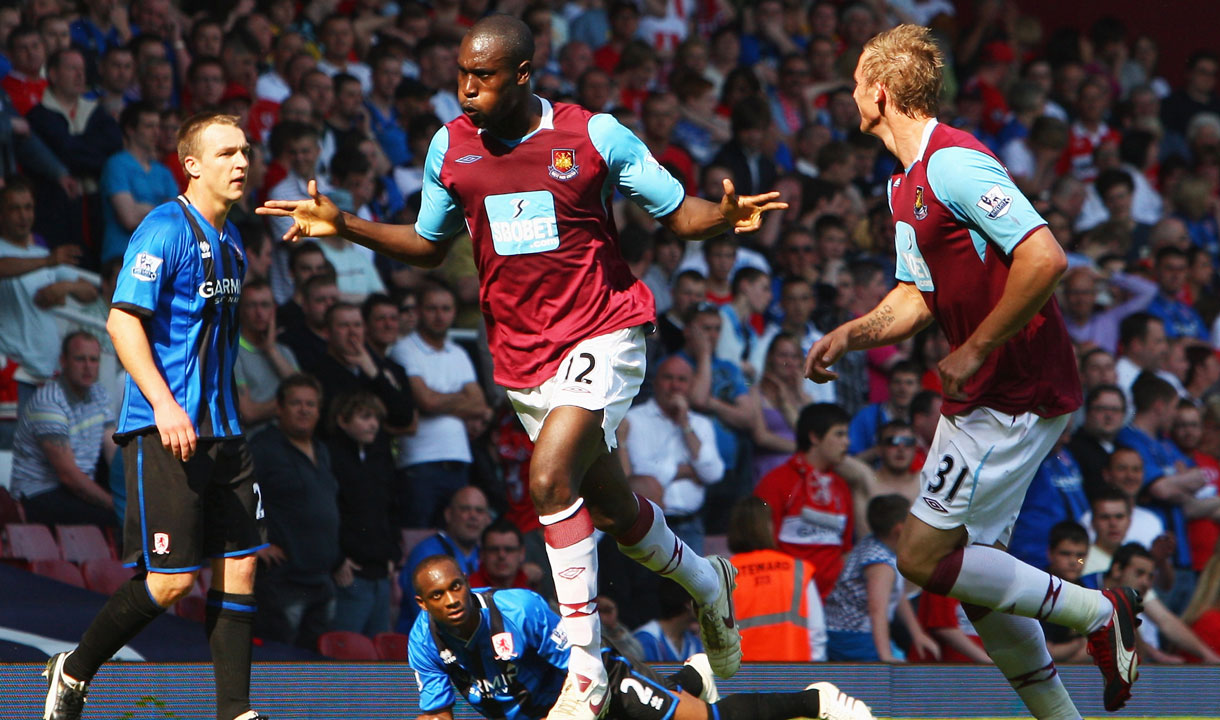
<point>870,592</point>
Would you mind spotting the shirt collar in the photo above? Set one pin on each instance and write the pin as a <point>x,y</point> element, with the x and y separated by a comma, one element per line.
<point>923,141</point>
<point>546,123</point>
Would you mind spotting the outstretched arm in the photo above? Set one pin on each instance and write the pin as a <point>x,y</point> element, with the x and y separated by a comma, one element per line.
<point>318,216</point>
<point>698,219</point>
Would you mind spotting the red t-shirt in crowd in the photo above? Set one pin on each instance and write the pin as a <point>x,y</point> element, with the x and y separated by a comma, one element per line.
<point>26,92</point>
<point>811,511</point>
<point>938,611</point>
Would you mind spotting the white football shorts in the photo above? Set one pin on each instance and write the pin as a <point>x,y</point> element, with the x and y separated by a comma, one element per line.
<point>602,373</point>
<point>979,468</point>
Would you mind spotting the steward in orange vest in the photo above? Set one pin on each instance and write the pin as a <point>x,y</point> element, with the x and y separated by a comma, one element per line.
<point>772,606</point>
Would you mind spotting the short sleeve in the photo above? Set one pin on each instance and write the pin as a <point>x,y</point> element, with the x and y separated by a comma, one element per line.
<point>978,191</point>
<point>149,263</point>
<point>435,691</point>
<point>875,554</point>
<point>440,216</point>
<point>45,416</point>
<point>115,178</point>
<point>633,169</point>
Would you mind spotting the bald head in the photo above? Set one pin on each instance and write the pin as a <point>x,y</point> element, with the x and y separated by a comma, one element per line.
<point>503,33</point>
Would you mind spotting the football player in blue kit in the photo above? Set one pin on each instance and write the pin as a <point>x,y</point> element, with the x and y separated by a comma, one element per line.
<point>506,654</point>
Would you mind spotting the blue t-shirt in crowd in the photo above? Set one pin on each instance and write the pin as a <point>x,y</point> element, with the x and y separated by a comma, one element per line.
<point>1055,494</point>
<point>1180,319</point>
<point>865,427</point>
<point>122,173</point>
<point>535,654</point>
<point>1161,458</point>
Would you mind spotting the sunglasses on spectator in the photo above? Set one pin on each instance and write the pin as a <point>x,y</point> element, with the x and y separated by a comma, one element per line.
<point>410,307</point>
<point>900,441</point>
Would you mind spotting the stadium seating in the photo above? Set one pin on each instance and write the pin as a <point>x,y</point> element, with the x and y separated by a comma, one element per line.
<point>191,607</point>
<point>348,646</point>
<point>105,576</point>
<point>10,509</point>
<point>60,570</point>
<point>83,542</point>
<point>391,646</point>
<point>30,542</point>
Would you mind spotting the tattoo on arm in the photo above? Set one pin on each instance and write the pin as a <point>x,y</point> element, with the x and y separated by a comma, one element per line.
<point>873,326</point>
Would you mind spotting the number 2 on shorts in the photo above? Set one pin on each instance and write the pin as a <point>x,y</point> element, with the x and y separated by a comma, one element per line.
<point>947,464</point>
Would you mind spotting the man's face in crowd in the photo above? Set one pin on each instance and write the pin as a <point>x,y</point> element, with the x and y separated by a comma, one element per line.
<point>17,214</point>
<point>317,303</point>
<point>1105,416</point>
<point>80,363</point>
<point>673,383</point>
<point>1067,560</point>
<point>345,332</point>
<point>382,324</point>
<point>1137,574</point>
<point>298,414</point>
<point>687,292</point>
<point>1111,520</point>
<point>502,556</point>
<point>898,450</point>
<point>1099,369</point>
<point>467,517</point>
<point>256,310</point>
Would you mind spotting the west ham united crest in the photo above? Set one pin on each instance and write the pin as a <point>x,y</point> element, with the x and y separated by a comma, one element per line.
<point>563,164</point>
<point>921,210</point>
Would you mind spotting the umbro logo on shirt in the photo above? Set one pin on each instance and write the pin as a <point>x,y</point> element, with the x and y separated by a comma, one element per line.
<point>467,159</point>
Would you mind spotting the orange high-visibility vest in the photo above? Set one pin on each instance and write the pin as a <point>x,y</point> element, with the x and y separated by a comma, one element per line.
<point>770,606</point>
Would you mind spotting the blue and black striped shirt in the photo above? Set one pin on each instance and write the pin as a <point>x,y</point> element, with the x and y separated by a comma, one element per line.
<point>184,279</point>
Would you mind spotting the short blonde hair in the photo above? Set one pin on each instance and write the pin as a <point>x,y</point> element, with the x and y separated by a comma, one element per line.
<point>908,63</point>
<point>192,128</point>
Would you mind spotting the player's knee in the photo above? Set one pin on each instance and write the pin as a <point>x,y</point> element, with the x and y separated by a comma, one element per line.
<point>550,490</point>
<point>168,588</point>
<point>239,574</point>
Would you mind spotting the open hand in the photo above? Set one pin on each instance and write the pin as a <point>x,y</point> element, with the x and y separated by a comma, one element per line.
<point>316,216</point>
<point>744,214</point>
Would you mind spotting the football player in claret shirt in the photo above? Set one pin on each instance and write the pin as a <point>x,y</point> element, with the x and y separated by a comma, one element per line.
<point>974,256</point>
<point>506,653</point>
<point>532,182</point>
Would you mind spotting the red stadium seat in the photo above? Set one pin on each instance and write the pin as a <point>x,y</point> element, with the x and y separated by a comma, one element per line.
<point>191,607</point>
<point>83,542</point>
<point>10,509</point>
<point>60,570</point>
<point>30,542</point>
<point>105,576</point>
<point>344,645</point>
<point>391,646</point>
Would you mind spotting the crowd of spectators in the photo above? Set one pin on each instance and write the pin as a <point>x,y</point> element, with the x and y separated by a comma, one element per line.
<point>365,384</point>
